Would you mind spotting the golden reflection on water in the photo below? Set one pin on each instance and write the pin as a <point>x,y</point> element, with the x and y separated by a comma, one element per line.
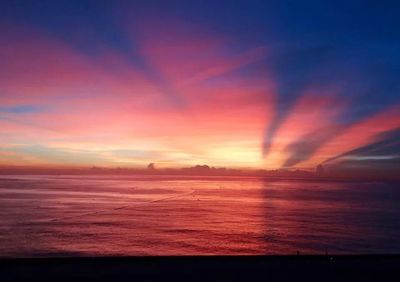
<point>78,215</point>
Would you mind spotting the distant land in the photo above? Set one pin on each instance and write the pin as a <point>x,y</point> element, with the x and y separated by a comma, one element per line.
<point>205,170</point>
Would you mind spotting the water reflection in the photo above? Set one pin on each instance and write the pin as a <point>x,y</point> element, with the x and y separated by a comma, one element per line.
<point>50,216</point>
<point>332,217</point>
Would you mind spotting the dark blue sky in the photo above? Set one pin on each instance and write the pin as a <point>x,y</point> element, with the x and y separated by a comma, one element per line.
<point>352,45</point>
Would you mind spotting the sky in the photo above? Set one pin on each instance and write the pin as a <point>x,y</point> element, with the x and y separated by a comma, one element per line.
<point>247,84</point>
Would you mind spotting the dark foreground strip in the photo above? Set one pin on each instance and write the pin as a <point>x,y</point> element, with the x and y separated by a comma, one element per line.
<point>204,268</point>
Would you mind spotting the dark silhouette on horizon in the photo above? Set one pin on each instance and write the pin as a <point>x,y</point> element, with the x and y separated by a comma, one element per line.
<point>320,172</point>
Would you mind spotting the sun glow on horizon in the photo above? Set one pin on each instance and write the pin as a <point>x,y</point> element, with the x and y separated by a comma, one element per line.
<point>177,94</point>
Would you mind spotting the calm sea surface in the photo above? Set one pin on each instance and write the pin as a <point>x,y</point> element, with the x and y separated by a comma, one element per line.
<point>139,215</point>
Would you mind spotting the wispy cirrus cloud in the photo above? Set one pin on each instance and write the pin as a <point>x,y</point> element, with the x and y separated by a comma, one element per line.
<point>191,84</point>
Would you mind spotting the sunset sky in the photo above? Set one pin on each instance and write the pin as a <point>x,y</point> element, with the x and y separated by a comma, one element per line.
<point>248,84</point>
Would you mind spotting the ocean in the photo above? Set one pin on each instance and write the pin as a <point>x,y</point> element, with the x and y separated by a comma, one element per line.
<point>53,216</point>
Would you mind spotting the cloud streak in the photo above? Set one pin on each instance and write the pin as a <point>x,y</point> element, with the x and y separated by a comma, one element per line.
<point>267,89</point>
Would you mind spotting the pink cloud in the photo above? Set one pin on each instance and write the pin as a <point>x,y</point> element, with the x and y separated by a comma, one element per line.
<point>315,111</point>
<point>358,135</point>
